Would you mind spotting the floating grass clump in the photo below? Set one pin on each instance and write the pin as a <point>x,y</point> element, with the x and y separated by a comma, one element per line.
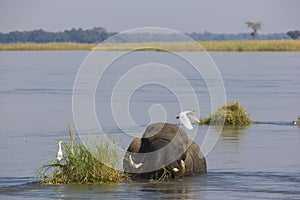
<point>84,166</point>
<point>230,114</point>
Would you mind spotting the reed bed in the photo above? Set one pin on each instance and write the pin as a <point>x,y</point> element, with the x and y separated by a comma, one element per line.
<point>252,45</point>
<point>80,166</point>
<point>242,45</point>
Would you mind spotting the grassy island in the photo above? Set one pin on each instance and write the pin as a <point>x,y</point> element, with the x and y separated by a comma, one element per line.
<point>80,166</point>
<point>231,114</point>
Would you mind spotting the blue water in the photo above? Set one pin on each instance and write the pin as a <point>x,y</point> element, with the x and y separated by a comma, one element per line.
<point>260,161</point>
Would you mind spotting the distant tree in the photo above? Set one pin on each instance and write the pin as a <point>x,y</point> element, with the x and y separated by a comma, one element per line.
<point>3,38</point>
<point>60,37</point>
<point>294,34</point>
<point>255,26</point>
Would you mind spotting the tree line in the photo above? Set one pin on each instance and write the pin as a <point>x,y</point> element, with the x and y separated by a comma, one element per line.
<point>74,35</point>
<point>99,34</point>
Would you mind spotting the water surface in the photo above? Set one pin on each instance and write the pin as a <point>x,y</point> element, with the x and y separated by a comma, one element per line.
<point>261,161</point>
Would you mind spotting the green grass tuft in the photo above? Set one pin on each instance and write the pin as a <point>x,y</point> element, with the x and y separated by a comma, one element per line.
<point>81,166</point>
<point>230,114</point>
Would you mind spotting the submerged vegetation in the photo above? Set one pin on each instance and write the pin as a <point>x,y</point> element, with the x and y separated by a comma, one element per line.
<point>238,45</point>
<point>230,114</point>
<point>82,165</point>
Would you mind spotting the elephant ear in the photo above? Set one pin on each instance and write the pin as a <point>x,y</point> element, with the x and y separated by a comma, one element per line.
<point>195,160</point>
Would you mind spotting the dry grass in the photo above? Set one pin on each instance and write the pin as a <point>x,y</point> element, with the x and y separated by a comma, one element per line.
<point>243,45</point>
<point>252,45</point>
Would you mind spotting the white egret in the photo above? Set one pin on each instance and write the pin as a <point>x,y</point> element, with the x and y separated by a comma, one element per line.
<point>184,118</point>
<point>59,153</point>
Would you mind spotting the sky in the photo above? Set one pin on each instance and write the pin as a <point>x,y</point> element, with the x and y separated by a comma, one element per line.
<point>217,16</point>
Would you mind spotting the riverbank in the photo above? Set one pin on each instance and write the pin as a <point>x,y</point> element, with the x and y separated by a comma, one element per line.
<point>242,45</point>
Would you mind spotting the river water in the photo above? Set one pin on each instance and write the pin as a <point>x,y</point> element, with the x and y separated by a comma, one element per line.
<point>260,161</point>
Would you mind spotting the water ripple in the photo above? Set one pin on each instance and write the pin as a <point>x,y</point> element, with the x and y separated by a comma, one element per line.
<point>37,91</point>
<point>216,184</point>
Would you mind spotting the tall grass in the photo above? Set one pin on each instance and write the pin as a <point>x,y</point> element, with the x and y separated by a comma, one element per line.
<point>252,45</point>
<point>242,45</point>
<point>80,165</point>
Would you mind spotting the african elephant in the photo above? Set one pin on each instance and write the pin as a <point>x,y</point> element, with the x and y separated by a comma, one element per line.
<point>163,150</point>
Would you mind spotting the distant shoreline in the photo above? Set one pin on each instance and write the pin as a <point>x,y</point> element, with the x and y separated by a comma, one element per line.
<point>226,46</point>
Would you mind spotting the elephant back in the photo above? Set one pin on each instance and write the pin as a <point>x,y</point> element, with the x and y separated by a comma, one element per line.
<point>165,131</point>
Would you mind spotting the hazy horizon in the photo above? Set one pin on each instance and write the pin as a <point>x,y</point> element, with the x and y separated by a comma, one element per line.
<point>228,16</point>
